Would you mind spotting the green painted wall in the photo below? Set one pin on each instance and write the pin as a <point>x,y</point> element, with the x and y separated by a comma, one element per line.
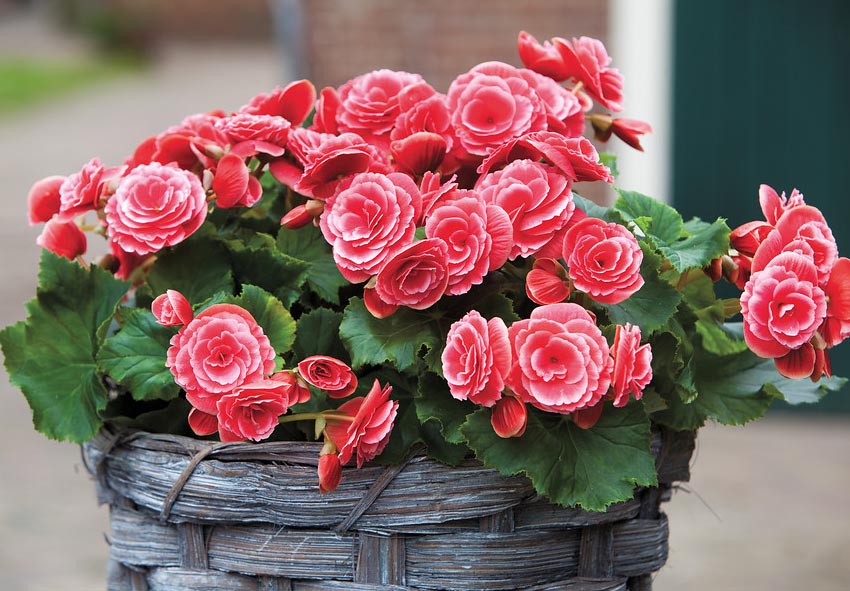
<point>762,95</point>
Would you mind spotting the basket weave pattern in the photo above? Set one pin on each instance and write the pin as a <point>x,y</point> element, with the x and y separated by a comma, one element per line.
<point>189,515</point>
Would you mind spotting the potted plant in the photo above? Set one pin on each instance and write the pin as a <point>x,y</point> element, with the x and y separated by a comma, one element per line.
<point>374,336</point>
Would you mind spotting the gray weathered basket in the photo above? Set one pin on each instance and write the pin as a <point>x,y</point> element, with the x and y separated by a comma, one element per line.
<point>188,515</point>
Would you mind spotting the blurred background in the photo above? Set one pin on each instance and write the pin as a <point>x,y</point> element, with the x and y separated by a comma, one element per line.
<point>739,92</point>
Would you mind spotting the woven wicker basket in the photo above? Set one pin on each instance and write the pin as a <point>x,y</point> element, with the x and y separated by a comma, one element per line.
<point>187,515</point>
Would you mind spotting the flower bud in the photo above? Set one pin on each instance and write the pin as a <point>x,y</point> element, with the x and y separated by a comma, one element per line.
<point>509,417</point>
<point>172,309</point>
<point>63,238</point>
<point>547,282</point>
<point>587,417</point>
<point>44,199</point>
<point>330,472</point>
<point>202,423</point>
<point>376,306</point>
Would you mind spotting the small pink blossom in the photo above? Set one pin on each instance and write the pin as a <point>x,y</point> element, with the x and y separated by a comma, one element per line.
<point>782,305</point>
<point>509,418</point>
<point>80,192</point>
<point>251,411</point>
<point>242,127</point>
<point>155,206</point>
<point>836,326</point>
<point>172,309</point>
<point>293,103</point>
<point>416,276</point>
<point>477,359</point>
<point>537,198</point>
<point>632,364</point>
<point>370,221</point>
<point>369,104</point>
<point>543,58</point>
<point>233,183</point>
<point>561,361</point>
<point>221,349</point>
<point>470,228</point>
<point>587,61</point>
<point>491,104</point>
<point>368,434</point>
<point>773,206</point>
<point>604,260</point>
<point>547,282</point>
<point>328,374</point>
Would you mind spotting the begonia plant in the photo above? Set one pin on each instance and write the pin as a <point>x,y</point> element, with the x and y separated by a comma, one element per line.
<point>383,265</point>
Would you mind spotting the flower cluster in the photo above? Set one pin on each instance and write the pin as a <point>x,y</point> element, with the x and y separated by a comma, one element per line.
<point>393,265</point>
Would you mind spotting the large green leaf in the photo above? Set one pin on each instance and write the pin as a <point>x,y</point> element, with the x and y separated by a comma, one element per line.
<point>661,221</point>
<point>135,357</point>
<point>572,466</point>
<point>398,339</point>
<point>309,245</point>
<point>198,268</point>
<point>270,314</point>
<point>318,334</point>
<point>652,305</point>
<point>257,261</point>
<point>704,242</point>
<point>67,321</point>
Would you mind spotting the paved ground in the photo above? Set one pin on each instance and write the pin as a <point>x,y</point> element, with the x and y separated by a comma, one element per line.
<point>768,509</point>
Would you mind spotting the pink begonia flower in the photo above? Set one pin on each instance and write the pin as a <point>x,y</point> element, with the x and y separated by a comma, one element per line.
<point>369,104</point>
<point>561,361</point>
<point>155,206</point>
<point>587,61</point>
<point>330,472</point>
<point>604,260</point>
<point>773,206</point>
<point>222,348</point>
<point>368,434</point>
<point>328,374</point>
<point>477,359</point>
<point>423,109</point>
<point>543,58</point>
<point>470,228</point>
<point>242,127</point>
<point>185,144</point>
<point>509,418</point>
<point>251,411</point>
<point>585,161</point>
<point>233,183</point>
<point>293,103</point>
<point>43,199</point>
<point>63,238</point>
<point>836,326</point>
<point>370,221</point>
<point>564,111</point>
<point>632,364</point>
<point>491,104</point>
<point>80,192</point>
<point>416,276</point>
<point>172,309</point>
<point>802,229</point>
<point>547,282</point>
<point>537,198</point>
<point>782,305</point>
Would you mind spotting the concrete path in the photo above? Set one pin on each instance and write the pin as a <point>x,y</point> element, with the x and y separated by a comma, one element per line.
<point>768,509</point>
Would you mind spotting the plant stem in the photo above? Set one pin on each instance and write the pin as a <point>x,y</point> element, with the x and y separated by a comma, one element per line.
<point>313,416</point>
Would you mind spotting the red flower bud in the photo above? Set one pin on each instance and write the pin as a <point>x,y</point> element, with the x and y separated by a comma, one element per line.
<point>419,153</point>
<point>509,417</point>
<point>202,423</point>
<point>330,472</point>
<point>587,417</point>
<point>376,306</point>
<point>44,199</point>
<point>63,238</point>
<point>630,130</point>
<point>547,282</point>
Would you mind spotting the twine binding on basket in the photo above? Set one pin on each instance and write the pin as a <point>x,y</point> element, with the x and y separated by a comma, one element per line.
<point>187,515</point>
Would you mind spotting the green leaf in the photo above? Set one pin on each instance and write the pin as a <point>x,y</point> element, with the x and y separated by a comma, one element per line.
<point>257,261</point>
<point>398,339</point>
<point>67,321</point>
<point>716,340</point>
<point>652,305</point>
<point>308,244</point>
<point>135,357</point>
<point>572,466</point>
<point>434,403</point>
<point>703,243</point>
<point>732,388</point>
<point>208,262</point>
<point>318,334</point>
<point>592,209</point>
<point>270,314</point>
<point>667,225</point>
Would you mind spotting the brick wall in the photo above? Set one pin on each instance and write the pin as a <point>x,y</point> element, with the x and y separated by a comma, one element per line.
<point>438,39</point>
